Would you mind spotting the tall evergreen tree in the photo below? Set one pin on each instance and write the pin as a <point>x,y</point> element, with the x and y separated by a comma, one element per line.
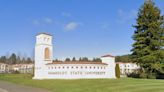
<point>3,59</point>
<point>73,59</point>
<point>96,60</point>
<point>149,38</point>
<point>80,59</point>
<point>23,60</point>
<point>13,58</point>
<point>67,59</point>
<point>85,59</point>
<point>28,61</point>
<point>18,60</point>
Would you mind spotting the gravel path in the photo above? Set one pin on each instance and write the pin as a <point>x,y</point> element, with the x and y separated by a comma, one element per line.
<point>11,87</point>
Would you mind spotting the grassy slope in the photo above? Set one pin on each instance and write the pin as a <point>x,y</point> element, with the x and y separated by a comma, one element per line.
<point>94,85</point>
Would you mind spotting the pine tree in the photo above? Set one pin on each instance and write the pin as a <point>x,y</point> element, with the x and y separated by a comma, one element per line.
<point>80,59</point>
<point>13,58</point>
<point>96,60</point>
<point>73,59</point>
<point>3,59</point>
<point>23,60</point>
<point>67,59</point>
<point>149,38</point>
<point>85,59</point>
<point>18,60</point>
<point>28,61</point>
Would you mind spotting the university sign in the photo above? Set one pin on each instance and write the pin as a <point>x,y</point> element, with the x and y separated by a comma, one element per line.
<point>45,68</point>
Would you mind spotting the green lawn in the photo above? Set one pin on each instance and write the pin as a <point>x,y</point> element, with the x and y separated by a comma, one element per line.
<point>89,85</point>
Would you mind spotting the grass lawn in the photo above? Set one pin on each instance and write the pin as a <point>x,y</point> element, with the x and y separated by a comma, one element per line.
<point>89,85</point>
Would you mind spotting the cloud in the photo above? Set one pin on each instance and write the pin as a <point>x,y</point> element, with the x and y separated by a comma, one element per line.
<point>105,26</point>
<point>35,22</point>
<point>48,20</point>
<point>43,21</point>
<point>71,26</point>
<point>66,14</point>
<point>126,16</point>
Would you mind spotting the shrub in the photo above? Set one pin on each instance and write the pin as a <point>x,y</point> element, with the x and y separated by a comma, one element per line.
<point>133,75</point>
<point>143,75</point>
<point>16,72</point>
<point>151,76</point>
<point>117,70</point>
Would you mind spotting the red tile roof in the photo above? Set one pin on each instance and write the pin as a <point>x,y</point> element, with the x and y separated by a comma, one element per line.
<point>108,56</point>
<point>78,62</point>
<point>125,63</point>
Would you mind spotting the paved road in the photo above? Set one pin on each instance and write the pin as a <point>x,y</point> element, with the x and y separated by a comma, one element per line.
<point>10,87</point>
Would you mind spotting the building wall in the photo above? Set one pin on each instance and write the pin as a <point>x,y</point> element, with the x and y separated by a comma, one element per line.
<point>111,66</point>
<point>4,68</point>
<point>75,71</point>
<point>43,41</point>
<point>127,68</point>
<point>23,68</point>
<point>45,69</point>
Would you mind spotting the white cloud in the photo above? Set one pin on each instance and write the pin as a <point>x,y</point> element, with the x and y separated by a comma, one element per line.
<point>66,14</point>
<point>48,20</point>
<point>126,16</point>
<point>35,22</point>
<point>71,26</point>
<point>43,21</point>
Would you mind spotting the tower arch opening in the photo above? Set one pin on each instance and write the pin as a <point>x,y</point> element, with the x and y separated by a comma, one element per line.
<point>47,53</point>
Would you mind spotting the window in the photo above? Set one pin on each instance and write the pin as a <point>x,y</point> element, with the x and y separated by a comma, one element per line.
<point>44,38</point>
<point>128,70</point>
<point>48,39</point>
<point>47,53</point>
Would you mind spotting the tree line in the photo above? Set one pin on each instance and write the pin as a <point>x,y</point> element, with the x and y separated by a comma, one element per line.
<point>15,59</point>
<point>81,59</point>
<point>124,58</point>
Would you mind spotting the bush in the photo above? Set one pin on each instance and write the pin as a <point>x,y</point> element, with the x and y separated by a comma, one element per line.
<point>16,72</point>
<point>117,70</point>
<point>160,76</point>
<point>151,76</point>
<point>143,75</point>
<point>133,75</point>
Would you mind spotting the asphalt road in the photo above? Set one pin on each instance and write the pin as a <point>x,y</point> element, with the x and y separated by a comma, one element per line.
<point>11,87</point>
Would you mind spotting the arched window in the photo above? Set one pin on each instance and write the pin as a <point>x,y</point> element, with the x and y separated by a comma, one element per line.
<point>47,53</point>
